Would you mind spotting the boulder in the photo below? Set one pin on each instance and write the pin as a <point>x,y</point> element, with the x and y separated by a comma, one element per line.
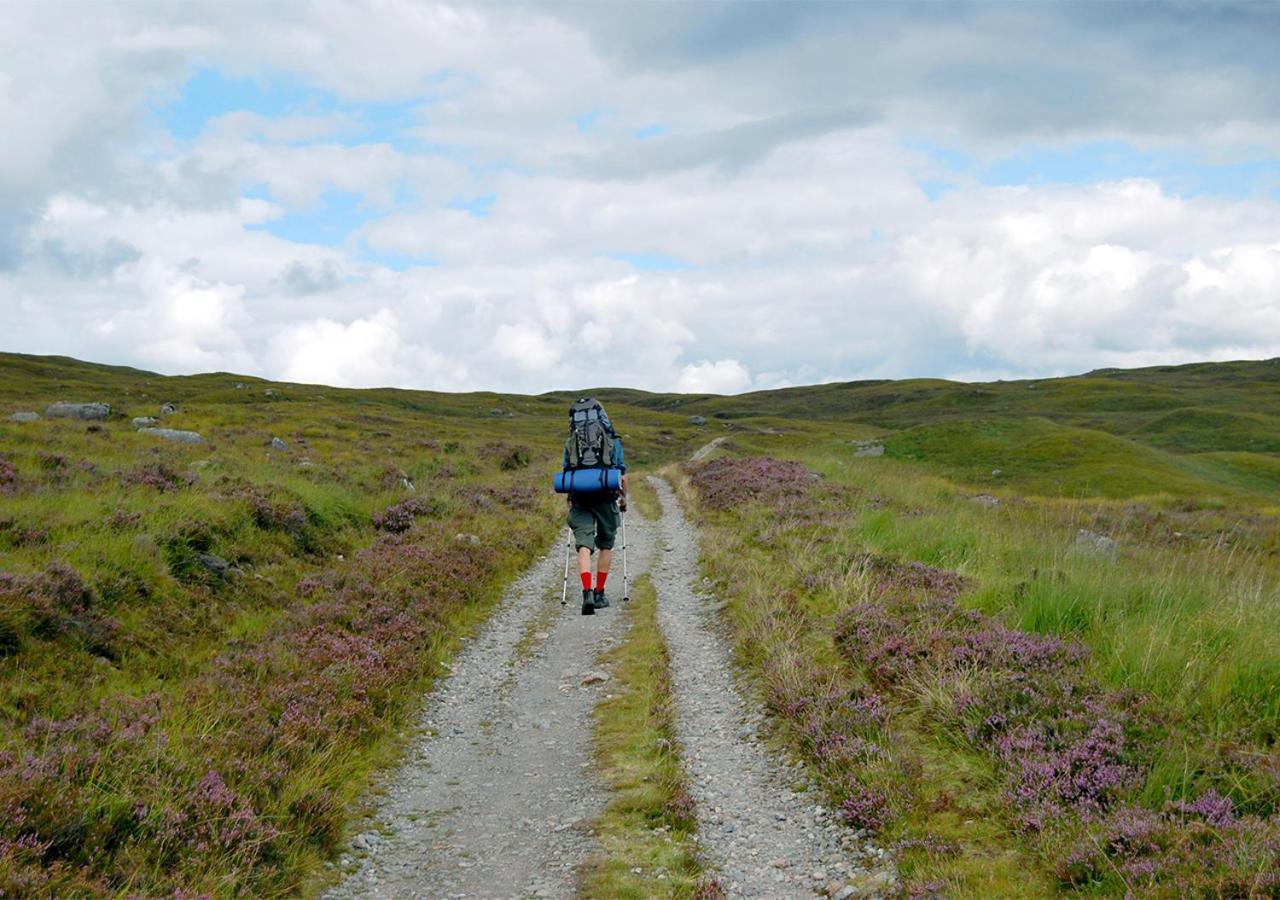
<point>170,434</point>
<point>214,565</point>
<point>868,449</point>
<point>276,444</point>
<point>1095,544</point>
<point>25,416</point>
<point>144,422</point>
<point>168,409</point>
<point>698,420</point>
<point>90,411</point>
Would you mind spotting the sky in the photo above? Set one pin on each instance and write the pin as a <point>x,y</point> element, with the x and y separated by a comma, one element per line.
<point>698,197</point>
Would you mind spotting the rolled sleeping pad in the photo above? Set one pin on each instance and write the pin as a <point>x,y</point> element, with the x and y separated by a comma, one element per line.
<point>588,481</point>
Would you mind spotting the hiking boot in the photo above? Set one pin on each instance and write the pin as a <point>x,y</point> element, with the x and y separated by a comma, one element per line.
<point>588,604</point>
<point>600,600</point>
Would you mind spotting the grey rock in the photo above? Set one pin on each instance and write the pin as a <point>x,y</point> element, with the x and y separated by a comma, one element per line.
<point>89,411</point>
<point>985,500</point>
<point>407,485</point>
<point>143,422</point>
<point>698,420</point>
<point>25,417</point>
<point>596,677</point>
<point>1096,544</point>
<point>277,444</point>
<point>843,893</point>
<point>269,392</point>
<point>215,565</point>
<point>170,434</point>
<point>464,538</point>
<point>996,473</point>
<point>867,449</point>
<point>168,409</point>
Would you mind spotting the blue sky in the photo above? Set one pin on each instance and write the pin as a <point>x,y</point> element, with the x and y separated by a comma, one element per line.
<point>685,195</point>
<point>209,93</point>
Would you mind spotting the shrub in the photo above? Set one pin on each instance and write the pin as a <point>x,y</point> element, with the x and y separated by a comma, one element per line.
<point>158,476</point>
<point>399,517</point>
<point>729,482</point>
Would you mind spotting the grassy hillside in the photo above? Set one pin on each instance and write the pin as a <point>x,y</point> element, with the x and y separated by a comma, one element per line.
<point>206,649</point>
<point>1192,408</point>
<point>1015,708</point>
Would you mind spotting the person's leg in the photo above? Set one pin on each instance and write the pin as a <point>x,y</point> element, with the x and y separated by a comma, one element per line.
<point>606,516</point>
<point>584,535</point>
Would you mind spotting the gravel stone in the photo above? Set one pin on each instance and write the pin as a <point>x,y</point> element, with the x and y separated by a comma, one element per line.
<point>495,790</point>
<point>742,795</point>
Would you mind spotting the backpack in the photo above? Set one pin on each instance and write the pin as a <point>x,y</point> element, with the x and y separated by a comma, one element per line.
<point>591,436</point>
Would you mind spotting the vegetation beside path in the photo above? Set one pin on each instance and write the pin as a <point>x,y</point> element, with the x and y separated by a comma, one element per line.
<point>648,831</point>
<point>206,649</point>
<point>1015,711</point>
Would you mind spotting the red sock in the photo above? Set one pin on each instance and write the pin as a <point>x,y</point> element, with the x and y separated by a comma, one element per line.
<point>600,579</point>
<point>586,581</point>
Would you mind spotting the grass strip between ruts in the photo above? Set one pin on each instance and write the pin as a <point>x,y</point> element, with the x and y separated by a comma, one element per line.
<point>647,831</point>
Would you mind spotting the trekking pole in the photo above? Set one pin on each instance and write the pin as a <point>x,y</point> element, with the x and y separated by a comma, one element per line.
<point>626,593</point>
<point>564,591</point>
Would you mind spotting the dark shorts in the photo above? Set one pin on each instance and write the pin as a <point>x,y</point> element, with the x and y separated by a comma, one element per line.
<point>595,525</point>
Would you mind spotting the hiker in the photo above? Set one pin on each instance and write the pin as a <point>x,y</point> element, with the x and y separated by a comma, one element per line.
<point>594,516</point>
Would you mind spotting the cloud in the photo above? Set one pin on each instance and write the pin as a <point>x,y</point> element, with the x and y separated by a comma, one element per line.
<point>724,376</point>
<point>802,177</point>
<point>360,353</point>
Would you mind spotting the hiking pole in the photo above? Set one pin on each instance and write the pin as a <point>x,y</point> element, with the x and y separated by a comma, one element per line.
<point>626,593</point>
<point>564,591</point>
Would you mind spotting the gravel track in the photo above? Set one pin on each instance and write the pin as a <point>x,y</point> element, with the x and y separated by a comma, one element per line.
<point>762,838</point>
<point>498,792</point>
<point>497,797</point>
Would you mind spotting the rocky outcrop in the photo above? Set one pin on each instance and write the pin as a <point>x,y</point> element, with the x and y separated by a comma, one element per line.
<point>87,411</point>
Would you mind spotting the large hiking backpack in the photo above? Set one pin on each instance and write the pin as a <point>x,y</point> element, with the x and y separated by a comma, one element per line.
<point>591,436</point>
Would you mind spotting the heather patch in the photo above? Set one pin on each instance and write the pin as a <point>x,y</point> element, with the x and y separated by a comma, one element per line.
<point>981,741</point>
<point>245,793</point>
<point>728,482</point>
<point>158,476</point>
<point>1072,753</point>
<point>400,517</point>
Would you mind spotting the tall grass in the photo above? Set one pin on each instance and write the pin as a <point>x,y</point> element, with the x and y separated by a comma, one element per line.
<point>1185,626</point>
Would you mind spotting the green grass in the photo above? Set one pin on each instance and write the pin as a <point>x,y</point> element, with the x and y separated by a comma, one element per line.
<point>1178,464</point>
<point>647,830</point>
<point>1185,616</point>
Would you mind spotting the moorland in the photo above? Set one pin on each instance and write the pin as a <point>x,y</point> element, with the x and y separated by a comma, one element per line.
<point>1022,633</point>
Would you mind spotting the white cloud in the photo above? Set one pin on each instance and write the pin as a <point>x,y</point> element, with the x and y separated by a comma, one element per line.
<point>785,186</point>
<point>360,353</point>
<point>724,376</point>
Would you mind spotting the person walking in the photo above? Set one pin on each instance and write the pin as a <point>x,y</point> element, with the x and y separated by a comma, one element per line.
<point>594,516</point>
